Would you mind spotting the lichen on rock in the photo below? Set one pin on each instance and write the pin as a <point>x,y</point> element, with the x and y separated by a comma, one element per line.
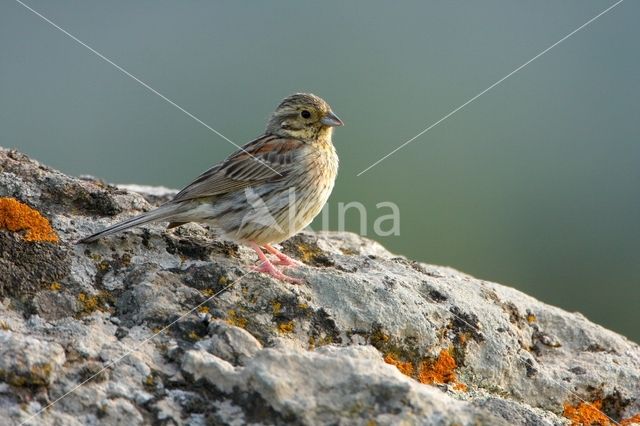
<point>16,217</point>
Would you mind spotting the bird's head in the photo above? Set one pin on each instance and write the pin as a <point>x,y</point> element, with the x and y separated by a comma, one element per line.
<point>303,116</point>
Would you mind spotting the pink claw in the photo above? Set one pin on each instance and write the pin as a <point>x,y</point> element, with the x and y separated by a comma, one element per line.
<point>283,259</point>
<point>267,267</point>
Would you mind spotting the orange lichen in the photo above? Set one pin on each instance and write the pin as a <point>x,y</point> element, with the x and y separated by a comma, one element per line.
<point>89,303</point>
<point>286,327</point>
<point>203,309</point>
<point>16,216</point>
<point>586,414</point>
<point>94,302</point>
<point>461,387</point>
<point>208,292</point>
<point>55,286</point>
<point>591,414</point>
<point>442,370</point>
<point>405,367</point>
<point>236,319</point>
<point>531,318</point>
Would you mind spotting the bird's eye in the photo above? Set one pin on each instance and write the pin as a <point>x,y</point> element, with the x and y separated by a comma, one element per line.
<point>305,114</point>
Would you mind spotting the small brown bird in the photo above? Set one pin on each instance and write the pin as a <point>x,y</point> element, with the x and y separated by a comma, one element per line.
<point>265,192</point>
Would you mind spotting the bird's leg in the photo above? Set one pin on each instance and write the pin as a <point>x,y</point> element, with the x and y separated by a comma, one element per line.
<point>267,267</point>
<point>283,259</point>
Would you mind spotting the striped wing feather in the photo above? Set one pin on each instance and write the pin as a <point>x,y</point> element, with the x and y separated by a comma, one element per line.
<point>267,158</point>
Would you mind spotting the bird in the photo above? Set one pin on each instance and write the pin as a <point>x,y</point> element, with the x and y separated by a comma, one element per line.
<point>266,191</point>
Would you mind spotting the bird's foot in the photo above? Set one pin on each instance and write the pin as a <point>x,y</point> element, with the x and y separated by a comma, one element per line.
<point>269,269</point>
<point>283,259</point>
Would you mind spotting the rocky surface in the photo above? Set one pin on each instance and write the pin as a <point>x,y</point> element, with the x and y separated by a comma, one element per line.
<point>172,328</point>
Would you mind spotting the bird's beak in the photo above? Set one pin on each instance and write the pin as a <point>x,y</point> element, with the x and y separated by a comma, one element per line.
<point>332,120</point>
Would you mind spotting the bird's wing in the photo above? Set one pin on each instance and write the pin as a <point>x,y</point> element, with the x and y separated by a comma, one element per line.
<point>267,158</point>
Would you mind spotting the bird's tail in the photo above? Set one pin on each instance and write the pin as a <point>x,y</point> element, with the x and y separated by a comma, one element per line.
<point>164,212</point>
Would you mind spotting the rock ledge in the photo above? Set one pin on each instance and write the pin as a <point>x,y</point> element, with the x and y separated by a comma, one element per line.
<point>371,338</point>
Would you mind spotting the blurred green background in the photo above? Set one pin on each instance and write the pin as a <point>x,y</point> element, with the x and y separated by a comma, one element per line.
<point>534,185</point>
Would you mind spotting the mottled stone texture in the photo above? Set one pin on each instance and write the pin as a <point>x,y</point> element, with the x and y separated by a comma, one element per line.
<point>369,339</point>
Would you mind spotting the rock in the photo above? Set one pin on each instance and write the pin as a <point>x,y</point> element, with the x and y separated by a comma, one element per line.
<point>171,327</point>
<point>26,361</point>
<point>232,344</point>
<point>330,383</point>
<point>120,412</point>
